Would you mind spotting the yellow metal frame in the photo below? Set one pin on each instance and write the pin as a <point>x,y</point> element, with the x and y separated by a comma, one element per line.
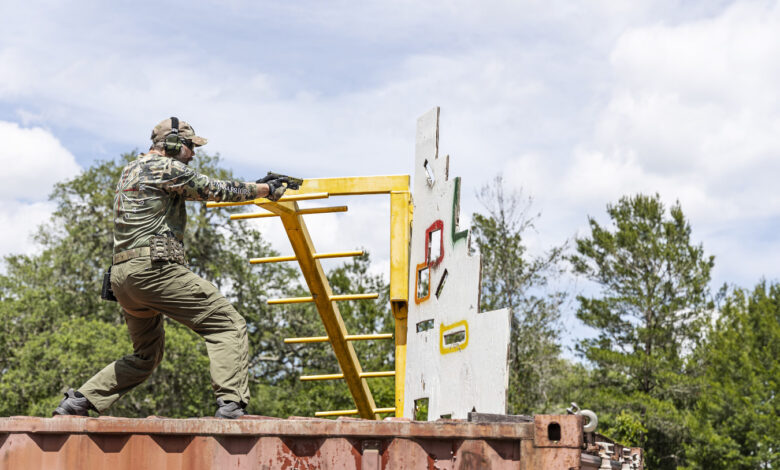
<point>397,186</point>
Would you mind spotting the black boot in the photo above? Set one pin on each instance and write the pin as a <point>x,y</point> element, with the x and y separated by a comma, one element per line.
<point>229,409</point>
<point>74,403</point>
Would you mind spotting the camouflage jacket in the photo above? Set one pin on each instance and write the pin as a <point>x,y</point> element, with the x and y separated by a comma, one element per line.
<point>150,199</point>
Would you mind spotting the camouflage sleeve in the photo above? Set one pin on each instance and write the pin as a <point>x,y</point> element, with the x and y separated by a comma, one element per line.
<point>197,187</point>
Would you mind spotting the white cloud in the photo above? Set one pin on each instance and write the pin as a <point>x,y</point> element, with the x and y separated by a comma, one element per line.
<point>32,160</point>
<point>19,222</point>
<point>693,115</point>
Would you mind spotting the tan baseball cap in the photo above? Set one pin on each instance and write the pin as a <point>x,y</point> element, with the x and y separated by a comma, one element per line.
<point>165,128</point>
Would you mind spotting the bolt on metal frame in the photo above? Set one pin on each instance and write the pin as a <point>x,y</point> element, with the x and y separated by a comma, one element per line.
<point>397,186</point>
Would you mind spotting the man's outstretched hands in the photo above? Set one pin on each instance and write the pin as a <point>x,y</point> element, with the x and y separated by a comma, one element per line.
<point>276,188</point>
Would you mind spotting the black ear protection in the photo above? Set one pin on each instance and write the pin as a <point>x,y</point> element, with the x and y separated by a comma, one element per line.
<point>173,142</point>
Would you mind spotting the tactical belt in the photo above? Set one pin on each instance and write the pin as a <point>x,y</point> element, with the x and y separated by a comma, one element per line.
<point>123,256</point>
<point>161,248</point>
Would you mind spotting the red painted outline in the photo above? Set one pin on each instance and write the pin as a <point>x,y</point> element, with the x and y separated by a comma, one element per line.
<point>437,225</point>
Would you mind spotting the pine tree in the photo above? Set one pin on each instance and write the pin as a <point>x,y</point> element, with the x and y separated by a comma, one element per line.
<point>653,298</point>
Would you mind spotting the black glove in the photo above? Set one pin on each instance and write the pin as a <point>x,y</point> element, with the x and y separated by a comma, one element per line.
<point>276,189</point>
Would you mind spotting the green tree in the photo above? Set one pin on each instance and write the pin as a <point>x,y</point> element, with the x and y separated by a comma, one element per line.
<point>649,315</point>
<point>735,424</point>
<point>512,278</point>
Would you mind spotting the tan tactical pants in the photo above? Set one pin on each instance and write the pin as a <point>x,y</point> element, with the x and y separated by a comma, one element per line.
<point>145,290</point>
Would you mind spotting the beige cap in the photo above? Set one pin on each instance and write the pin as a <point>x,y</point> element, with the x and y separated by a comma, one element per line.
<point>165,128</point>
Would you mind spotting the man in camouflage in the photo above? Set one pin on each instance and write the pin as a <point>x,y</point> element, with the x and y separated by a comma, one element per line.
<point>149,276</point>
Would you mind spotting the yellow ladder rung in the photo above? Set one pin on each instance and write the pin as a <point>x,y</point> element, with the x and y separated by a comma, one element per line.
<point>313,210</point>
<point>306,378</point>
<point>325,339</point>
<point>351,412</point>
<point>253,215</point>
<point>338,254</point>
<point>363,375</point>
<point>277,259</point>
<point>271,259</point>
<point>262,200</point>
<point>295,197</point>
<point>322,210</point>
<point>230,204</point>
<point>333,298</point>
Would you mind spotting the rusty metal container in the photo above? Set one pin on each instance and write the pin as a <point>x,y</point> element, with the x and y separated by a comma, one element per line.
<point>549,442</point>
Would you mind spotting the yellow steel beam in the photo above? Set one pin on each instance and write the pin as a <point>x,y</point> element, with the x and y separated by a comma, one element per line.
<point>400,228</point>
<point>324,339</point>
<point>277,259</point>
<point>400,314</point>
<point>354,185</point>
<point>363,375</point>
<point>401,209</point>
<point>323,297</point>
<point>334,298</point>
<point>322,414</point>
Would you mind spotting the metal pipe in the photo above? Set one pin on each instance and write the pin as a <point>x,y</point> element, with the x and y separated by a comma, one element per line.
<point>271,259</point>
<point>325,339</point>
<point>333,298</point>
<point>363,375</point>
<point>253,215</point>
<point>277,259</point>
<point>338,254</point>
<point>354,297</point>
<point>290,300</point>
<point>322,210</point>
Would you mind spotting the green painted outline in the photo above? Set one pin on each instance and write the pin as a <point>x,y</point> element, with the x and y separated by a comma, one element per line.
<point>463,234</point>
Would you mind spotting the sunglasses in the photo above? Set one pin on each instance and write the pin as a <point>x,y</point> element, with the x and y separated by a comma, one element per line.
<point>188,143</point>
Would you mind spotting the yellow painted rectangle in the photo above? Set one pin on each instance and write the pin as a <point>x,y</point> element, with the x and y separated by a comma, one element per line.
<point>443,349</point>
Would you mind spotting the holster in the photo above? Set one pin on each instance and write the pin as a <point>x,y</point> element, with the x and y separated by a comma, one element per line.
<point>162,248</point>
<point>106,293</point>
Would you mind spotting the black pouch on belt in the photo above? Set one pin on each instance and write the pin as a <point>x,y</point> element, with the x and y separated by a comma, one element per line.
<point>105,292</point>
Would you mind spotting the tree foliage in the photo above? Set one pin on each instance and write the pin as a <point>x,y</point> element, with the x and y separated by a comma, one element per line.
<point>735,422</point>
<point>513,279</point>
<point>649,314</point>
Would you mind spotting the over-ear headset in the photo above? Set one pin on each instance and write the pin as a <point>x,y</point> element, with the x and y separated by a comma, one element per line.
<point>173,142</point>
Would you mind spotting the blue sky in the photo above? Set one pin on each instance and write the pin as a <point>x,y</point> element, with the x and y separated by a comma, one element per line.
<point>576,104</point>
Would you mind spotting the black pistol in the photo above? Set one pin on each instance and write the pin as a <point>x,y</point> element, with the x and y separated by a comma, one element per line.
<point>290,182</point>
